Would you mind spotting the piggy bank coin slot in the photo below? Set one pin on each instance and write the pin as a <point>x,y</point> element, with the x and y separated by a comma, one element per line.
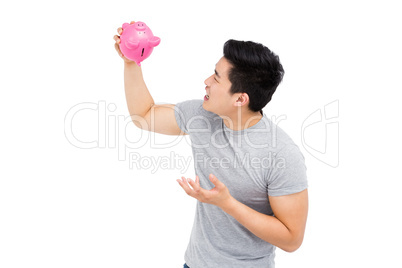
<point>142,52</point>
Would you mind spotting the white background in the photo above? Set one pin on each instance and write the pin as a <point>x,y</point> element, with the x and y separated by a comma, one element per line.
<point>64,206</point>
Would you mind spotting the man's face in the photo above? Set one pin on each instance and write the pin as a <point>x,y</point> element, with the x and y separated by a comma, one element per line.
<point>220,100</point>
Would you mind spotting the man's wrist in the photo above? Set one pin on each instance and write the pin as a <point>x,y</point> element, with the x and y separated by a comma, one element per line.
<point>131,64</point>
<point>229,204</point>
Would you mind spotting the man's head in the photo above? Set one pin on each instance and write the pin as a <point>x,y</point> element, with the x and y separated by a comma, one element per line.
<point>247,75</point>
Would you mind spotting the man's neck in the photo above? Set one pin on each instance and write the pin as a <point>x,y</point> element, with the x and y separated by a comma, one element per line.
<point>241,120</point>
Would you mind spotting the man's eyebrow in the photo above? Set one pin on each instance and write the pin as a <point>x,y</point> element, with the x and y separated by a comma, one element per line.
<point>217,74</point>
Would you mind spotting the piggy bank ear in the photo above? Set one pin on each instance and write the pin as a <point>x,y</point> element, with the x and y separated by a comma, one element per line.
<point>132,44</point>
<point>154,41</point>
<point>125,25</point>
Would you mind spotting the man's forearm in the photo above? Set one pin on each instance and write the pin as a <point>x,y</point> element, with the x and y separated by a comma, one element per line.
<point>139,100</point>
<point>266,227</point>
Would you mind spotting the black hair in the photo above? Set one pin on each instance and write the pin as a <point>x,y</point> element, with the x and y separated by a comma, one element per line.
<point>256,70</point>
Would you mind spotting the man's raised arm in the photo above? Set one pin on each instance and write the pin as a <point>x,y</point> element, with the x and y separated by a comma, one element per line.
<point>143,110</point>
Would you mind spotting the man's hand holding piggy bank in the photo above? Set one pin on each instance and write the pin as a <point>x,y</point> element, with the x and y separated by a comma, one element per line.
<point>136,42</point>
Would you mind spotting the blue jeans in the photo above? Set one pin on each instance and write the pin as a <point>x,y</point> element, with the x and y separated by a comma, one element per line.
<point>185,266</point>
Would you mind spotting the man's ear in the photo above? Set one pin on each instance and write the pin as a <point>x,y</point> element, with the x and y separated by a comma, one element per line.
<point>242,99</point>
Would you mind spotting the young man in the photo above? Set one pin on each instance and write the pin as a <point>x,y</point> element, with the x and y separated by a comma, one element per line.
<point>250,179</point>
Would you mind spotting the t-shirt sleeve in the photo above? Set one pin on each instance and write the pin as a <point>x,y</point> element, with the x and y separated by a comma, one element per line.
<point>288,174</point>
<point>185,111</point>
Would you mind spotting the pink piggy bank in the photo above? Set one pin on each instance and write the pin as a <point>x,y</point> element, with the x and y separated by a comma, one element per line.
<point>137,41</point>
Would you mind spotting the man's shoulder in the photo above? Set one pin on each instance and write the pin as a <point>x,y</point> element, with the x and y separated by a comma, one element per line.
<point>280,139</point>
<point>193,107</point>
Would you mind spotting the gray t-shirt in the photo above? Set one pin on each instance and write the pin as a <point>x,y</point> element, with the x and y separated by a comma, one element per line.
<point>253,163</point>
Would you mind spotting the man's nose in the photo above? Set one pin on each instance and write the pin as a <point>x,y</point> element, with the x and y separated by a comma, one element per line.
<point>206,80</point>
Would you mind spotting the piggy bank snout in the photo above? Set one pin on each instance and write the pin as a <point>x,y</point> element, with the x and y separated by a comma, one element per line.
<point>140,26</point>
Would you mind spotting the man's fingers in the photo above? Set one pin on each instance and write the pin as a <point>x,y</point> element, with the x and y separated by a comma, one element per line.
<point>195,185</point>
<point>183,183</point>
<point>117,47</point>
<point>117,39</point>
<point>215,181</point>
